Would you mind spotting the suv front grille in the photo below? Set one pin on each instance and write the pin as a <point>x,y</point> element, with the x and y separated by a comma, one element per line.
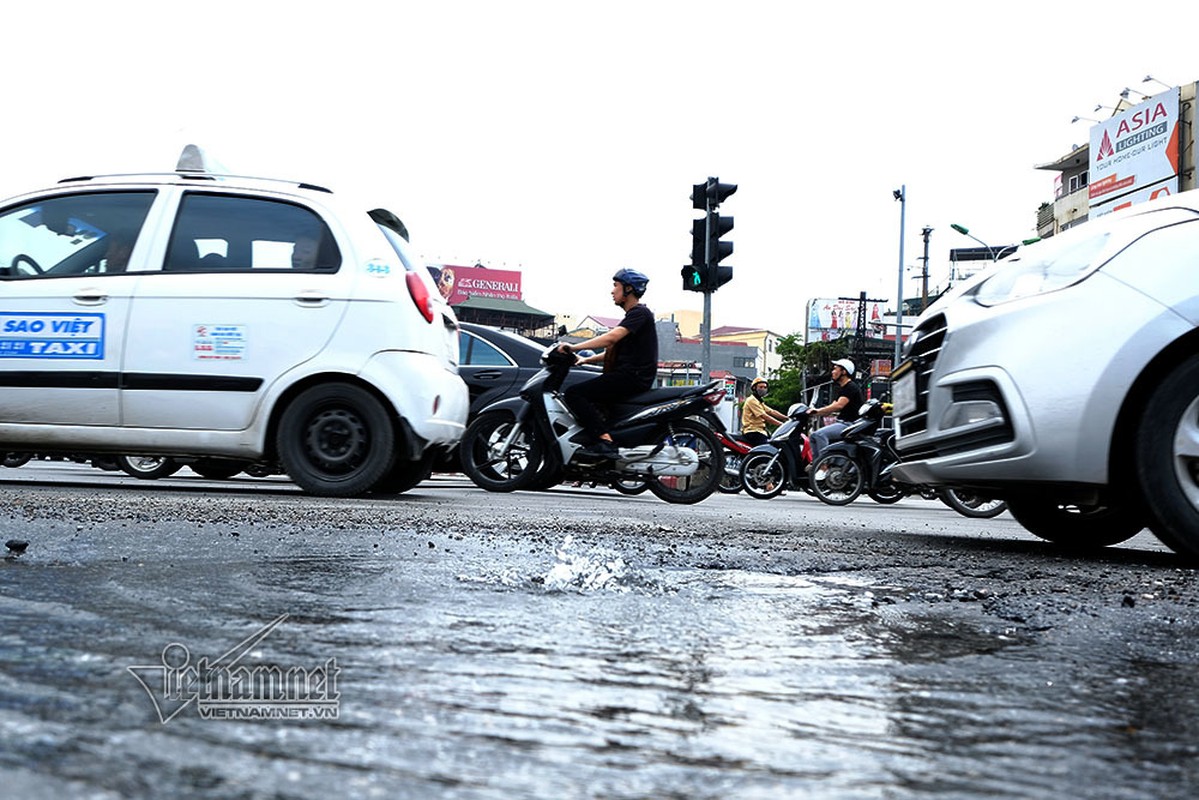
<point>929,338</point>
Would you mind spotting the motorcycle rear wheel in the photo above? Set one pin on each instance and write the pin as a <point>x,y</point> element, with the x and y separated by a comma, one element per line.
<point>491,469</point>
<point>630,485</point>
<point>887,493</point>
<point>730,479</point>
<point>695,487</point>
<point>836,479</point>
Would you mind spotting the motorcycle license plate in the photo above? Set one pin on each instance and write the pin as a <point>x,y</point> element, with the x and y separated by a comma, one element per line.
<point>903,394</point>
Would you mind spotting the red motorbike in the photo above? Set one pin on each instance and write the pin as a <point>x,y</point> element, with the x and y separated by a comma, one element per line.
<point>735,451</point>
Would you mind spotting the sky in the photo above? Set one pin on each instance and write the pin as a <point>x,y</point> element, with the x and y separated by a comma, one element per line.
<point>562,139</point>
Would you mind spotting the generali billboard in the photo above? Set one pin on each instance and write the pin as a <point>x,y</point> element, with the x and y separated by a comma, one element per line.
<point>1134,155</point>
<point>458,283</point>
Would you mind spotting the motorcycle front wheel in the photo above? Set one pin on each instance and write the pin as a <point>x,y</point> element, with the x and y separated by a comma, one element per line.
<point>697,486</point>
<point>972,505</point>
<point>763,475</point>
<point>836,479</point>
<point>489,463</point>
<point>148,468</point>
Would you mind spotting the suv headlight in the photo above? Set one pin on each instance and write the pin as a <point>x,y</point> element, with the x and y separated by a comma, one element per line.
<point>1044,267</point>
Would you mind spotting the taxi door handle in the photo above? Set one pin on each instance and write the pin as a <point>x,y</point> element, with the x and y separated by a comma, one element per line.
<point>90,297</point>
<point>312,300</point>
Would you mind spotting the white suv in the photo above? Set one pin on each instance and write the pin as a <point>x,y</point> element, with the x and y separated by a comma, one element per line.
<point>1066,381</point>
<point>193,314</point>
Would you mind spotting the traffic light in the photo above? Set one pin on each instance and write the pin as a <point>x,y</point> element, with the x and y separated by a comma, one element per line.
<point>717,251</point>
<point>695,274</point>
<point>705,274</point>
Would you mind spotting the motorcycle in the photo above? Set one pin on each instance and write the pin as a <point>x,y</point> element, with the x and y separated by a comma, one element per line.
<point>779,464</point>
<point>665,437</point>
<point>735,451</point>
<point>863,460</point>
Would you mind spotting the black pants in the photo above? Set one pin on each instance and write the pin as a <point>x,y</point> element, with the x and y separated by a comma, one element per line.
<point>586,398</point>
<point>755,438</point>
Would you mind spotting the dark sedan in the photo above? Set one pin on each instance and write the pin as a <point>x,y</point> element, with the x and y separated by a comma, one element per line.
<point>496,363</point>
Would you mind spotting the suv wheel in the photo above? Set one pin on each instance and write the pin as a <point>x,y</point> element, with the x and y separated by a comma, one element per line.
<point>1167,458</point>
<point>336,440</point>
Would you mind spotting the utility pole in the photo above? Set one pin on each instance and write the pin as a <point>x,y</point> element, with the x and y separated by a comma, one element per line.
<point>927,232</point>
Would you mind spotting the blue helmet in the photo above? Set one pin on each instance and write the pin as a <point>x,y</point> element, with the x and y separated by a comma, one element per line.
<point>633,280</point>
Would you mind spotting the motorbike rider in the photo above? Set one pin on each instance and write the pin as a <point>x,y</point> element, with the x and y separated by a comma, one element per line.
<point>755,414</point>
<point>630,361</point>
<point>847,399</point>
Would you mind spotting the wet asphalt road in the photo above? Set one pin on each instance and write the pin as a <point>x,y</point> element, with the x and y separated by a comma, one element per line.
<point>580,643</point>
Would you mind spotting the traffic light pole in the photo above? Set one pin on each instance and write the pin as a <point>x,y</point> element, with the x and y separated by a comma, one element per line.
<point>704,273</point>
<point>706,350</point>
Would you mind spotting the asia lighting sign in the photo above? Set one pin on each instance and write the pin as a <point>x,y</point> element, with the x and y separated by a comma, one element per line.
<point>1134,155</point>
<point>456,284</point>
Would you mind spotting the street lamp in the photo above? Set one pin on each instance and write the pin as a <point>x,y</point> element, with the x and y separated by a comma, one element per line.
<point>1088,119</point>
<point>962,229</point>
<point>900,194</point>
<point>1155,80</point>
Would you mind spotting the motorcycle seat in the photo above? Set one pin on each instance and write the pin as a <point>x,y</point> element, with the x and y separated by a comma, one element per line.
<point>659,395</point>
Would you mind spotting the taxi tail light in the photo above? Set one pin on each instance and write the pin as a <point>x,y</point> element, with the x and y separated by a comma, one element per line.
<point>420,295</point>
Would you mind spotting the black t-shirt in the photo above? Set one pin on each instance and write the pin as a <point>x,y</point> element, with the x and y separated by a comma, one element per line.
<point>636,355</point>
<point>854,392</point>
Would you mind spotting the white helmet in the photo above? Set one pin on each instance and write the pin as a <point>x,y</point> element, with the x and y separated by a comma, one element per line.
<point>845,364</point>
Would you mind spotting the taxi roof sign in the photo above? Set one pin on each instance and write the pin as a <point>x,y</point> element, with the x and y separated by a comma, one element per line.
<point>195,159</point>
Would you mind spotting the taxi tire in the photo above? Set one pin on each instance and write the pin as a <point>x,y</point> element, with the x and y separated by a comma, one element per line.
<point>336,440</point>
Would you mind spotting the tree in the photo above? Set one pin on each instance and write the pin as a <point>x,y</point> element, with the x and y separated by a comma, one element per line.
<point>804,365</point>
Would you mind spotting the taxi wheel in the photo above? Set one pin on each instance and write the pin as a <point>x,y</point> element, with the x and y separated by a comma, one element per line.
<point>1167,458</point>
<point>336,440</point>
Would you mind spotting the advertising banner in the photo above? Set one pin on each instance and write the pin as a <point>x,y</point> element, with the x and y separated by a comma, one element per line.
<point>456,284</point>
<point>830,318</point>
<point>1134,150</point>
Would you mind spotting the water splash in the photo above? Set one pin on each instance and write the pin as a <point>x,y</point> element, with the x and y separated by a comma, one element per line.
<point>596,569</point>
<point>575,569</point>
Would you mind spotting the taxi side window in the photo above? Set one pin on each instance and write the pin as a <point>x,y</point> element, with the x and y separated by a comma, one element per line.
<point>229,233</point>
<point>82,234</point>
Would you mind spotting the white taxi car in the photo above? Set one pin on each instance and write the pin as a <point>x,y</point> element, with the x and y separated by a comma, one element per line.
<point>1066,381</point>
<point>203,315</point>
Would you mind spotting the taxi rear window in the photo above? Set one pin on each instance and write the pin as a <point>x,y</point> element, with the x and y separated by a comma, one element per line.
<point>222,233</point>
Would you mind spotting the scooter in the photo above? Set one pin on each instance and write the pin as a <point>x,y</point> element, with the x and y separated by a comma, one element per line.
<point>779,464</point>
<point>864,459</point>
<point>665,436</point>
